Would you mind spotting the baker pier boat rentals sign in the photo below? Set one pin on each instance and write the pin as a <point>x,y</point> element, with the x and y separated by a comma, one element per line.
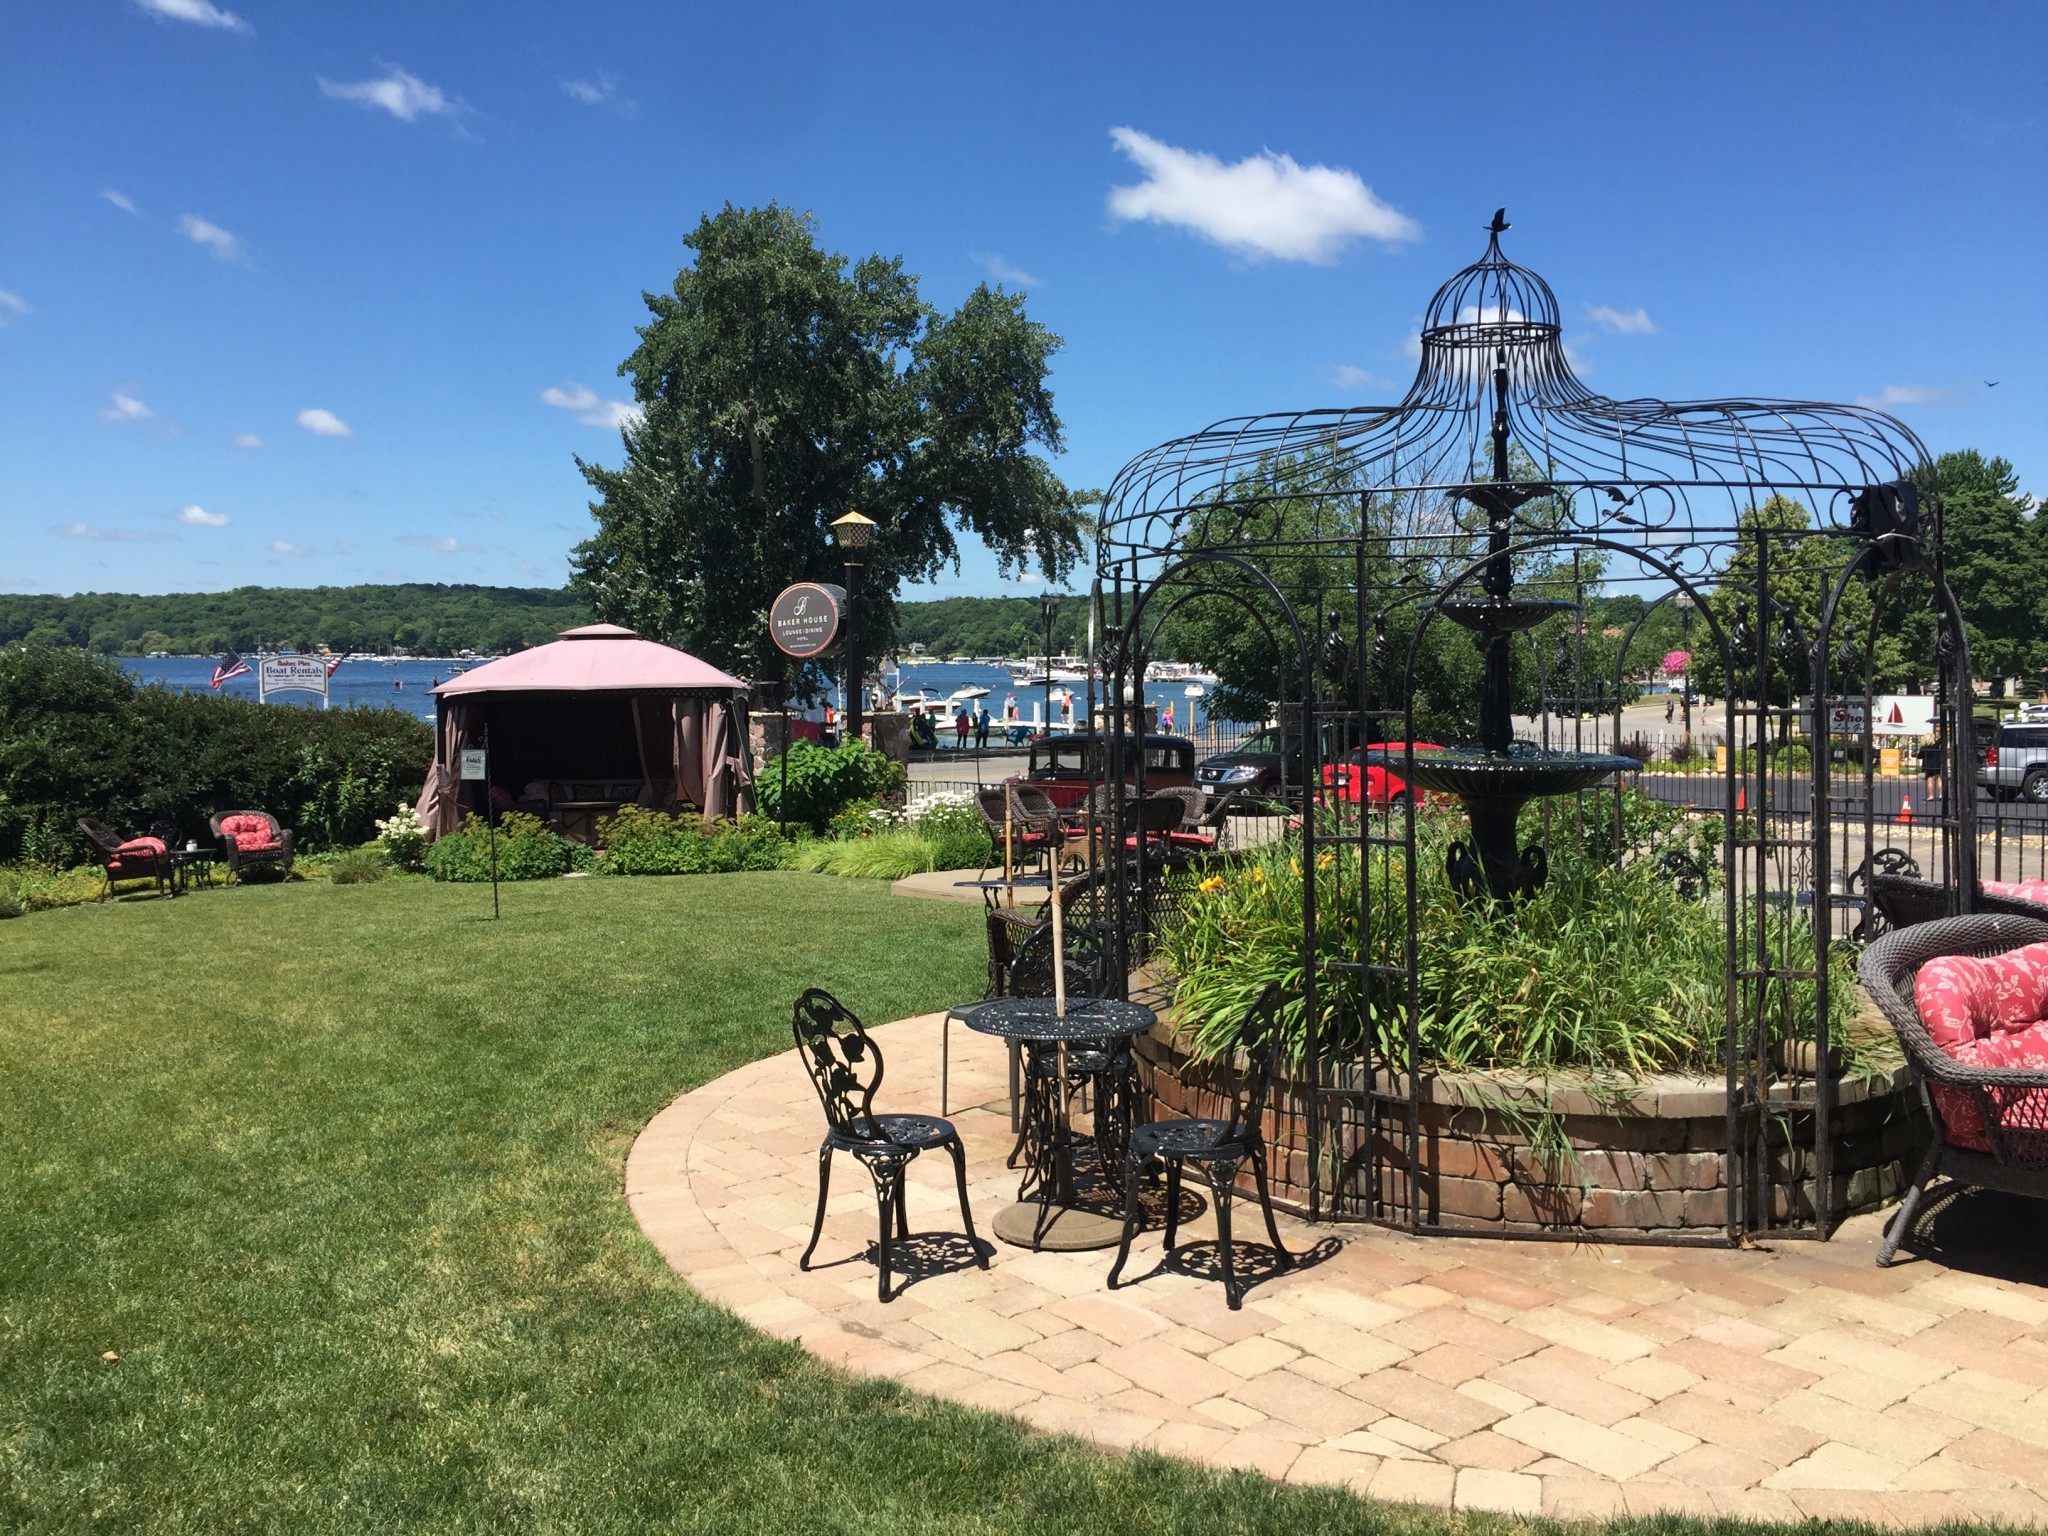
<point>292,674</point>
<point>807,619</point>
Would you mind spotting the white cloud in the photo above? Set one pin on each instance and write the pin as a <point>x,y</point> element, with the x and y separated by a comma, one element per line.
<point>1901,394</point>
<point>281,547</point>
<point>590,408</point>
<point>447,544</point>
<point>1623,322</point>
<point>113,535</point>
<point>999,269</point>
<point>226,246</point>
<point>122,407</point>
<point>1470,315</point>
<point>11,304</point>
<point>1347,376</point>
<point>1263,205</point>
<point>323,423</point>
<point>203,13</point>
<point>199,517</point>
<point>405,96</point>
<point>246,440</point>
<point>603,92</point>
<point>118,199</point>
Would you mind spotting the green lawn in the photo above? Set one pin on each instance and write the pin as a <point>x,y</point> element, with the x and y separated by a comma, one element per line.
<point>336,1171</point>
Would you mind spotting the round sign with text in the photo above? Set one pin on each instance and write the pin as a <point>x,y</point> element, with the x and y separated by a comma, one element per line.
<point>805,619</point>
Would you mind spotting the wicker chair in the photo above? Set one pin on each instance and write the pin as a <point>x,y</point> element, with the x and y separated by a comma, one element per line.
<point>2010,1152</point>
<point>252,840</point>
<point>137,858</point>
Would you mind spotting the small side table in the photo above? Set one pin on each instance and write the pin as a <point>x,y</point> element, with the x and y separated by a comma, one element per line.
<point>185,860</point>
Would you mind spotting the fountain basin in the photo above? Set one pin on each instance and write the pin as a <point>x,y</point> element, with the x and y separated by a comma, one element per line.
<point>1503,615</point>
<point>1521,773</point>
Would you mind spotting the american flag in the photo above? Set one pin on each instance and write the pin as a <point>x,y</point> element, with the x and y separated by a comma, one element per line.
<point>332,663</point>
<point>229,665</point>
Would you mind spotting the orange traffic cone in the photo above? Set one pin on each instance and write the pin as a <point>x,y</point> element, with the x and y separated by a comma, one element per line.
<point>1906,811</point>
<point>1741,798</point>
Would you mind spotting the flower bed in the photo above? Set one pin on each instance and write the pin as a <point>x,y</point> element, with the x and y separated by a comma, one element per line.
<point>1570,1045</point>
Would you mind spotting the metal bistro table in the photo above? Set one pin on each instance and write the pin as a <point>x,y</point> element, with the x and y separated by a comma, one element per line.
<point>1057,1207</point>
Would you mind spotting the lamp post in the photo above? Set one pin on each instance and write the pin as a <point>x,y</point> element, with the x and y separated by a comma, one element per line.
<point>1048,610</point>
<point>853,533</point>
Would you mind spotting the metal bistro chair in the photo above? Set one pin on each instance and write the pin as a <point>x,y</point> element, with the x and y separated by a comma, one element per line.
<point>1216,1147</point>
<point>845,1067</point>
<point>1990,1123</point>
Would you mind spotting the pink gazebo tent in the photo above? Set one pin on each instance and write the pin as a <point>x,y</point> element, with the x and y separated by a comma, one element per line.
<point>599,716</point>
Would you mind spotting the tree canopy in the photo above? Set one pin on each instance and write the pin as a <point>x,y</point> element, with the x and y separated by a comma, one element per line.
<point>780,388</point>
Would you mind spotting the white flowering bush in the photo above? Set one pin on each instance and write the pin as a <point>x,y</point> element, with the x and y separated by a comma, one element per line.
<point>404,839</point>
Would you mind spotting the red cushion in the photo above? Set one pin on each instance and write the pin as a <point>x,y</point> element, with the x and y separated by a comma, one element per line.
<point>2018,890</point>
<point>148,847</point>
<point>250,831</point>
<point>1990,1012</point>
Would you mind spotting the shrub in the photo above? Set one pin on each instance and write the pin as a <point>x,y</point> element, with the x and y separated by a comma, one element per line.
<point>359,866</point>
<point>404,839</point>
<point>643,842</point>
<point>884,856</point>
<point>78,738</point>
<point>952,824</point>
<point>528,849</point>
<point>1607,969</point>
<point>823,781</point>
<point>38,888</point>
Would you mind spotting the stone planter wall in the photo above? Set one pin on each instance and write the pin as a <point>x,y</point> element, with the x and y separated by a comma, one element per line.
<point>1650,1161</point>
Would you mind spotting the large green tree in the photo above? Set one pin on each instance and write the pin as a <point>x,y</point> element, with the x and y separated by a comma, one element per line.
<point>1997,557</point>
<point>780,388</point>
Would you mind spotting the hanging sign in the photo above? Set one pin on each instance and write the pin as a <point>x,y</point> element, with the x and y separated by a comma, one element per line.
<point>473,769</point>
<point>806,619</point>
<point>292,674</point>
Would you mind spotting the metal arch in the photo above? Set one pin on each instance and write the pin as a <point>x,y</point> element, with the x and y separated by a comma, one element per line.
<point>1311,775</point>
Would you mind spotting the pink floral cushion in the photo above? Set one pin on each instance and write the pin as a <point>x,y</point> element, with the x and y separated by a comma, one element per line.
<point>2018,890</point>
<point>146,847</point>
<point>1990,1012</point>
<point>251,832</point>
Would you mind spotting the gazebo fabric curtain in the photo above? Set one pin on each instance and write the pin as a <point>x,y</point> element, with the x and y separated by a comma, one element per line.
<point>712,768</point>
<point>705,742</point>
<point>440,804</point>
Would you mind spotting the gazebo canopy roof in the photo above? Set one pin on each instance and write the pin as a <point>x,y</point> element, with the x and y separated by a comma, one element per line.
<point>595,658</point>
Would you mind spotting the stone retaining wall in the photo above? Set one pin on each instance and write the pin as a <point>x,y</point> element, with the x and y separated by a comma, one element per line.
<point>1648,1159</point>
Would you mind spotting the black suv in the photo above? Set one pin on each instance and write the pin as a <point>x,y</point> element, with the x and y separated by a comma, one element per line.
<point>1255,765</point>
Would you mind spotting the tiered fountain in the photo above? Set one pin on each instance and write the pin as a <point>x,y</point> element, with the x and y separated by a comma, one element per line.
<point>1496,779</point>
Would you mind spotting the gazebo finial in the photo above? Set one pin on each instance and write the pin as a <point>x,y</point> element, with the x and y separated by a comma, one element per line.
<point>1500,221</point>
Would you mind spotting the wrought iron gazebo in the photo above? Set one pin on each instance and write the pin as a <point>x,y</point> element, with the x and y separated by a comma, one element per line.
<point>1491,500</point>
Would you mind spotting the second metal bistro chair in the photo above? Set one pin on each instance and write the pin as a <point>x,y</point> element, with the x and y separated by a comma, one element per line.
<point>845,1067</point>
<point>1216,1147</point>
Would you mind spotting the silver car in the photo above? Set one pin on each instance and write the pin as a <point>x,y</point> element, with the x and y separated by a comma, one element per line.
<point>2016,763</point>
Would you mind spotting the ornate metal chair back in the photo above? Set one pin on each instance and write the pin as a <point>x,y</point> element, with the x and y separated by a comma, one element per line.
<point>1258,1051</point>
<point>1087,962</point>
<point>844,1065</point>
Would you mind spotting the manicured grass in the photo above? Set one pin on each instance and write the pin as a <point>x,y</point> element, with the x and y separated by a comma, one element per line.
<point>336,1171</point>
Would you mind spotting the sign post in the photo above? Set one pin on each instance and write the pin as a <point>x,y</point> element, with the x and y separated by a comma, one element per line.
<point>476,769</point>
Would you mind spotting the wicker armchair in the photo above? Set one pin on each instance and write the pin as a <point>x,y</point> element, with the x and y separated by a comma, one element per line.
<point>137,858</point>
<point>2006,1148</point>
<point>252,840</point>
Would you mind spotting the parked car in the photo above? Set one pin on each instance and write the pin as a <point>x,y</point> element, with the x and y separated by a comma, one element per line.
<point>1065,765</point>
<point>1354,779</point>
<point>1257,764</point>
<point>2016,763</point>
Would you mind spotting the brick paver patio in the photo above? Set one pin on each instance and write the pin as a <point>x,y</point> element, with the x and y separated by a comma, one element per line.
<point>1522,1377</point>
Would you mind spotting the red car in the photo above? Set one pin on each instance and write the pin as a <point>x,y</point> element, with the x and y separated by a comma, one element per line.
<point>1356,780</point>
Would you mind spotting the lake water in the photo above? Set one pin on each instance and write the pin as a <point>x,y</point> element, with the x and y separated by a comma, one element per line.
<point>404,685</point>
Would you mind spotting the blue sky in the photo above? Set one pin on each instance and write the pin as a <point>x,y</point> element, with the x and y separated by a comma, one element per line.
<point>293,295</point>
